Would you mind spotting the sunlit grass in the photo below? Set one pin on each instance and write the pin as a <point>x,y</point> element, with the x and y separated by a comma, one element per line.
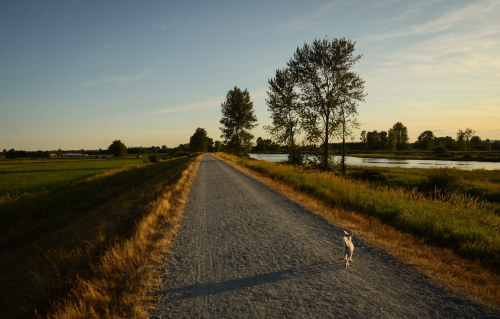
<point>459,223</point>
<point>479,186</point>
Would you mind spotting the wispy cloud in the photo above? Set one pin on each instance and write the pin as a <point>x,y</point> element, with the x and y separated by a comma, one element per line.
<point>312,18</point>
<point>116,79</point>
<point>477,15</point>
<point>194,106</point>
<point>200,105</point>
<point>460,42</point>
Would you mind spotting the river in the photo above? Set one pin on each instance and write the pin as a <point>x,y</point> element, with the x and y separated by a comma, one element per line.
<point>391,162</point>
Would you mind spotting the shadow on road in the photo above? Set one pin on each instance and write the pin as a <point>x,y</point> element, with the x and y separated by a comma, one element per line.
<point>205,289</point>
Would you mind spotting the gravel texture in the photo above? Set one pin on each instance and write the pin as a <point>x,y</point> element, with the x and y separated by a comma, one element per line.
<point>244,250</point>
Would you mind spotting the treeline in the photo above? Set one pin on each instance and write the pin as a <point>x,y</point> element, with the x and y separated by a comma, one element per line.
<point>396,139</point>
<point>12,153</point>
<point>136,150</point>
<point>199,142</point>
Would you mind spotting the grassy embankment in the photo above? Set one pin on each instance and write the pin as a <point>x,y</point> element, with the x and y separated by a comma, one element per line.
<point>458,223</point>
<point>481,187</point>
<point>86,247</point>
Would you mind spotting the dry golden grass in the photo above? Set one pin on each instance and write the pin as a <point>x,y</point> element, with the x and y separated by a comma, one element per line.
<point>441,265</point>
<point>128,271</point>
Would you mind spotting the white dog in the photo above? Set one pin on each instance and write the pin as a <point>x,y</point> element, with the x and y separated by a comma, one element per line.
<point>348,248</point>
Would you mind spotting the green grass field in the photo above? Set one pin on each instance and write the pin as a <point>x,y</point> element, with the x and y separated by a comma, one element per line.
<point>457,222</point>
<point>25,175</point>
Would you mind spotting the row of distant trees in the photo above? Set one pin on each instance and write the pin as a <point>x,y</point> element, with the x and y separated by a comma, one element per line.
<point>116,148</point>
<point>396,139</point>
<point>199,142</point>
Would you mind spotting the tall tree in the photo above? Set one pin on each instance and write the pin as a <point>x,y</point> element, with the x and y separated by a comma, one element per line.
<point>283,103</point>
<point>117,148</point>
<point>401,135</point>
<point>391,140</point>
<point>425,141</point>
<point>384,140</point>
<point>326,84</point>
<point>362,137</point>
<point>463,138</point>
<point>199,141</point>
<point>238,119</point>
<point>351,92</point>
<point>372,140</point>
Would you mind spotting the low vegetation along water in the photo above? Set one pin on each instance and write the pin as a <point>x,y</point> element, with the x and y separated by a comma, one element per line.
<point>389,162</point>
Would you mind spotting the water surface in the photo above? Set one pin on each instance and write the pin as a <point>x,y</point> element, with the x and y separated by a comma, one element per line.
<point>392,162</point>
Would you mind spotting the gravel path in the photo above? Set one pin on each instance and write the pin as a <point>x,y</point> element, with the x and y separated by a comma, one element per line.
<point>244,250</point>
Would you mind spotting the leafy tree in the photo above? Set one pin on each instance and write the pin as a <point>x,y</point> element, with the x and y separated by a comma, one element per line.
<point>210,144</point>
<point>372,140</point>
<point>426,141</point>
<point>463,139</point>
<point>351,92</point>
<point>362,138</point>
<point>327,88</point>
<point>444,144</point>
<point>199,141</point>
<point>487,145</point>
<point>283,103</point>
<point>391,140</point>
<point>117,148</point>
<point>384,140</point>
<point>238,119</point>
<point>266,146</point>
<point>475,143</point>
<point>401,136</point>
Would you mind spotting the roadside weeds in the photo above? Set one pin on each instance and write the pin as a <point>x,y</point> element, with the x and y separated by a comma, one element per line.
<point>126,274</point>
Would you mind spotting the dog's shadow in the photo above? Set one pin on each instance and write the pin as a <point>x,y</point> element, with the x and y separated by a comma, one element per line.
<point>210,288</point>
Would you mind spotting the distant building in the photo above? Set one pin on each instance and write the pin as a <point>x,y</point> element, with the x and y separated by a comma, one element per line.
<point>70,154</point>
<point>66,154</point>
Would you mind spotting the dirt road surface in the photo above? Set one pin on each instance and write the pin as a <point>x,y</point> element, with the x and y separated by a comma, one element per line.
<point>244,250</point>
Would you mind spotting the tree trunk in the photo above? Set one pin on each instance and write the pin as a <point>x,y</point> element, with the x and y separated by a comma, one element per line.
<point>343,143</point>
<point>325,156</point>
<point>343,150</point>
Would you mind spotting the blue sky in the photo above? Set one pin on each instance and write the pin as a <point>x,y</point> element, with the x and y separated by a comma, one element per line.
<point>80,74</point>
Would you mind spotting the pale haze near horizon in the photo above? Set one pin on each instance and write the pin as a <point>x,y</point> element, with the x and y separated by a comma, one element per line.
<point>80,74</point>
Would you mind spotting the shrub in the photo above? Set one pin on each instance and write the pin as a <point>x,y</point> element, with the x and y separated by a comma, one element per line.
<point>154,158</point>
<point>446,180</point>
<point>440,149</point>
<point>295,157</point>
